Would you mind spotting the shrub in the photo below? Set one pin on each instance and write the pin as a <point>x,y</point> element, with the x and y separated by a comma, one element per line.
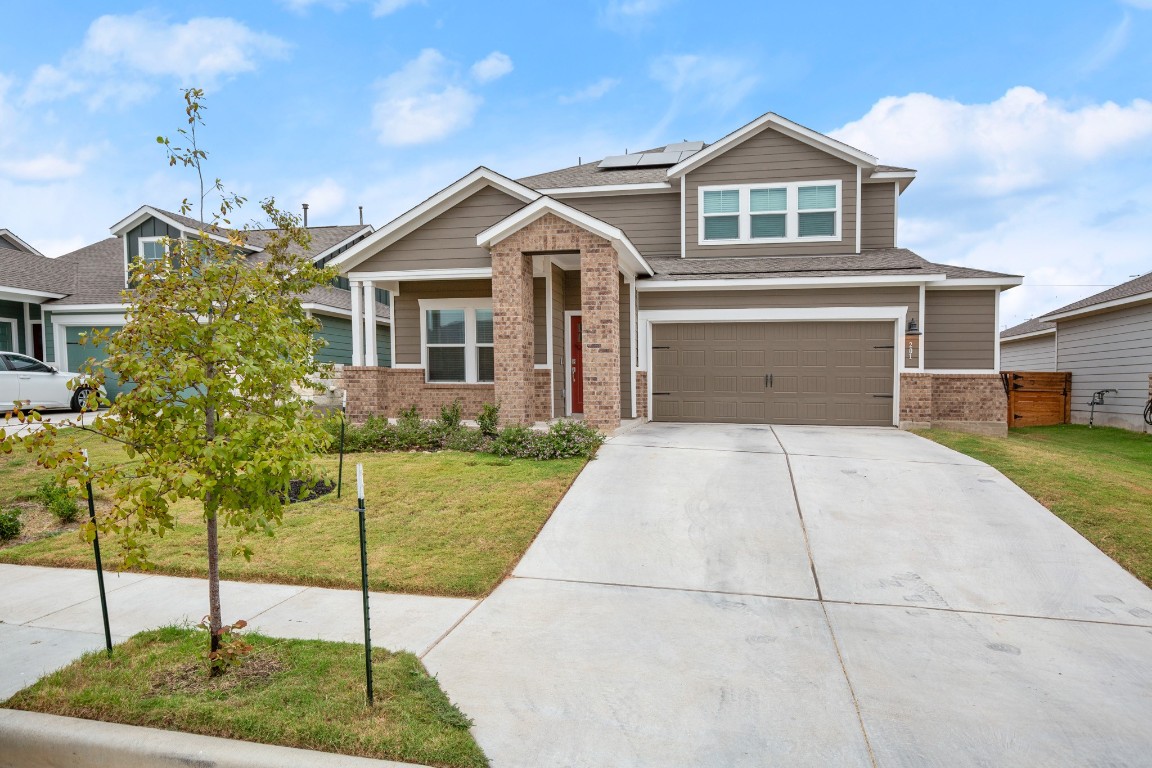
<point>411,433</point>
<point>450,416</point>
<point>10,525</point>
<point>58,501</point>
<point>488,420</point>
<point>515,441</point>
<point>469,440</point>
<point>566,439</point>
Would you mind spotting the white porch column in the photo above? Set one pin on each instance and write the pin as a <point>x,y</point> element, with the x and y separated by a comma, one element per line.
<point>370,323</point>
<point>357,326</point>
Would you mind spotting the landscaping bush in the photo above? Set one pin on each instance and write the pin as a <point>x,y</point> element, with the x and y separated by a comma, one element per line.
<point>564,439</point>
<point>10,525</point>
<point>58,501</point>
<point>488,420</point>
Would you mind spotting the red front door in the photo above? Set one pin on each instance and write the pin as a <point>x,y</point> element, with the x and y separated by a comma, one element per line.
<point>577,382</point>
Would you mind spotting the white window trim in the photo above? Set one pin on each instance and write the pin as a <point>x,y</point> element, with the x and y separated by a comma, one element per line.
<point>140,241</point>
<point>471,364</point>
<point>15,336</point>
<point>792,214</point>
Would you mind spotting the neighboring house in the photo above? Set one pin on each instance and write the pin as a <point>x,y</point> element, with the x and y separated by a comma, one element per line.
<point>1105,342</point>
<point>53,301</point>
<point>1030,346</point>
<point>754,280</point>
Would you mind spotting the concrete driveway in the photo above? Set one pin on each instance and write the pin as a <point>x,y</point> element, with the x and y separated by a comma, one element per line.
<point>747,596</point>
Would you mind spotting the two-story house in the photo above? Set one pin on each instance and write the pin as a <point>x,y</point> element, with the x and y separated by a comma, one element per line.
<point>48,303</point>
<point>753,280</point>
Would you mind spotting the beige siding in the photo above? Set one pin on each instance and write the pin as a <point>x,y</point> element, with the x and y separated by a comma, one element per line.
<point>559,352</point>
<point>652,222</point>
<point>1035,354</point>
<point>572,291</point>
<point>539,321</point>
<point>771,156</point>
<point>824,297</point>
<point>407,310</point>
<point>1109,351</point>
<point>449,240</point>
<point>960,330</point>
<point>878,216</point>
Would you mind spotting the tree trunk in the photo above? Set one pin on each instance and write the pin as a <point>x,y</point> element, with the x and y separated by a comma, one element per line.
<point>215,622</point>
<point>214,614</point>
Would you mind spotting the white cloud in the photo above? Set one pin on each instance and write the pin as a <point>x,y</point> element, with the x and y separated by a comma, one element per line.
<point>379,7</point>
<point>121,57</point>
<point>387,7</point>
<point>1111,46</point>
<point>44,167</point>
<point>716,82</point>
<point>626,14</point>
<point>1021,140</point>
<point>325,200</point>
<point>1142,4</point>
<point>591,92</point>
<point>423,101</point>
<point>492,67</point>
<point>1022,184</point>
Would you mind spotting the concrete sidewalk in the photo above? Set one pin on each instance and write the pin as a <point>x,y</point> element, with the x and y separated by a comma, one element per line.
<point>50,616</point>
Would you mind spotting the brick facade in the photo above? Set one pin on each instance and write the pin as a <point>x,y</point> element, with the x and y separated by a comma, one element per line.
<point>642,395</point>
<point>544,395</point>
<point>513,318</point>
<point>387,391</point>
<point>969,402</point>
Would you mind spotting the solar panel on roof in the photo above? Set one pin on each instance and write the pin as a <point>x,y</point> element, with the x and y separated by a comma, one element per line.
<point>659,158</point>
<point>685,146</point>
<point>619,161</point>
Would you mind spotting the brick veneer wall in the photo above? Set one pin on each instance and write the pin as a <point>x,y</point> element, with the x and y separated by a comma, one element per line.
<point>970,402</point>
<point>512,314</point>
<point>543,394</point>
<point>387,391</point>
<point>642,395</point>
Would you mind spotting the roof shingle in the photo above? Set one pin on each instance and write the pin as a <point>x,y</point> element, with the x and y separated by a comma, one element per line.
<point>1142,284</point>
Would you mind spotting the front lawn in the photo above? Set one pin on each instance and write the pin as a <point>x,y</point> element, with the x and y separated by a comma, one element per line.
<point>295,693</point>
<point>443,523</point>
<point>1099,481</point>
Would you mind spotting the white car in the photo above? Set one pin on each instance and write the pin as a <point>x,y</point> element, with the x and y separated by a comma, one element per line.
<point>24,378</point>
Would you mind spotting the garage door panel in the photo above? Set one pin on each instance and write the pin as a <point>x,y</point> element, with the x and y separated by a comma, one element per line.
<point>820,372</point>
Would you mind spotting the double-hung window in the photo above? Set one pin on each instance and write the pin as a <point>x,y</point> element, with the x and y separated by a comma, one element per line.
<point>152,248</point>
<point>791,212</point>
<point>458,341</point>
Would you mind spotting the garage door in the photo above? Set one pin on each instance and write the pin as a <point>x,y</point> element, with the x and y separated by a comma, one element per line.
<point>78,353</point>
<point>773,373</point>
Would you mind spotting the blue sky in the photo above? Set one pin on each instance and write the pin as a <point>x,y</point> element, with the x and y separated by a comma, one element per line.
<point>1030,122</point>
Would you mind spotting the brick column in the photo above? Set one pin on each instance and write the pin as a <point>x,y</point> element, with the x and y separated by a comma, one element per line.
<point>600,302</point>
<point>514,341</point>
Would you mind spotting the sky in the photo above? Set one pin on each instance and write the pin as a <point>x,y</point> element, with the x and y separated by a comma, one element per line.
<point>1030,123</point>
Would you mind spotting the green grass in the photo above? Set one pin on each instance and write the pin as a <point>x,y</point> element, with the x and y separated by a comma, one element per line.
<point>443,523</point>
<point>1099,481</point>
<point>295,693</point>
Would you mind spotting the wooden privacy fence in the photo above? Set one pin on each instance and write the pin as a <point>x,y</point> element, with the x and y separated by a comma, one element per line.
<point>1038,399</point>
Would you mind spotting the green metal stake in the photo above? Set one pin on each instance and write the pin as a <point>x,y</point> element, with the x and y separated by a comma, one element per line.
<point>99,564</point>
<point>340,471</point>
<point>364,581</point>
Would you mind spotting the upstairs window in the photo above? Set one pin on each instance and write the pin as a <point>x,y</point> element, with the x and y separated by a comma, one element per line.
<point>153,249</point>
<point>790,212</point>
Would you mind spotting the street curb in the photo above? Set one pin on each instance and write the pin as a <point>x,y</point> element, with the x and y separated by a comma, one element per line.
<point>36,740</point>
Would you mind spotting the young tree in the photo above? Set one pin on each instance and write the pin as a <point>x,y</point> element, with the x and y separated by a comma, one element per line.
<point>217,348</point>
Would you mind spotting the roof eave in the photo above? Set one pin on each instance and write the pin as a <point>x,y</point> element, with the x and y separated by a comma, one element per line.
<point>1029,335</point>
<point>1003,281</point>
<point>1100,308</point>
<point>785,126</point>
<point>609,189</point>
<point>432,207</point>
<point>10,234</point>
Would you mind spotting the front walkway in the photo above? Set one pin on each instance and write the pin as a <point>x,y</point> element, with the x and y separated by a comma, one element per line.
<point>746,596</point>
<point>50,616</point>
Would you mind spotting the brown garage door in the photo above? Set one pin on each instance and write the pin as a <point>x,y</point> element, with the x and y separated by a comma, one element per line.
<point>773,373</point>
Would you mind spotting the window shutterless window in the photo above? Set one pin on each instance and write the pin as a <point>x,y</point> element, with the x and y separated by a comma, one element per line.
<point>789,212</point>
<point>152,248</point>
<point>458,341</point>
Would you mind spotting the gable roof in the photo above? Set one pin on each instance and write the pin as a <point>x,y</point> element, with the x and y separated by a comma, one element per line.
<point>30,275</point>
<point>18,244</point>
<point>413,218</point>
<point>1132,292</point>
<point>544,205</point>
<point>1028,328</point>
<point>784,126</point>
